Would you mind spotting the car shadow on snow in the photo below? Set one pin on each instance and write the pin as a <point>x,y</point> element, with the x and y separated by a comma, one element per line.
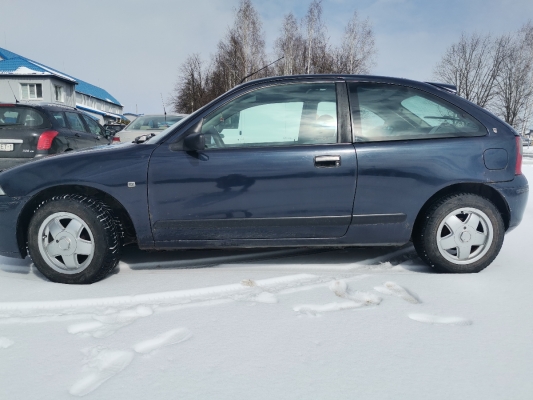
<point>368,259</point>
<point>312,259</point>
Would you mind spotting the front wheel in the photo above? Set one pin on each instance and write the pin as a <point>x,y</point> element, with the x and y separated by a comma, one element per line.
<point>461,233</point>
<point>74,239</point>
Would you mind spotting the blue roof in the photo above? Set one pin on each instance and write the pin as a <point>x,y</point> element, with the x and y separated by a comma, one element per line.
<point>6,54</point>
<point>10,62</point>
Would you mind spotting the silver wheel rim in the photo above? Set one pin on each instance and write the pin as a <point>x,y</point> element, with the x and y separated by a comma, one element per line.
<point>465,235</point>
<point>66,243</point>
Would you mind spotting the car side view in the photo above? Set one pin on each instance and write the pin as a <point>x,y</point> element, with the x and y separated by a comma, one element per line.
<point>315,160</point>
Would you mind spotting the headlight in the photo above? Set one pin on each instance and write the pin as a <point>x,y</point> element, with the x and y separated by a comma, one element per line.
<point>2,193</point>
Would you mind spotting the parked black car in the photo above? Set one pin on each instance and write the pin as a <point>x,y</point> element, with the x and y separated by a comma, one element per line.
<point>30,131</point>
<point>113,128</point>
<point>284,161</point>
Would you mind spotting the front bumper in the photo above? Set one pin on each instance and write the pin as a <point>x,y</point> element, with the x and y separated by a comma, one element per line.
<point>10,210</point>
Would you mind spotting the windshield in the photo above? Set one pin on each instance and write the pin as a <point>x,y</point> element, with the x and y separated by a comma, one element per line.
<point>153,122</point>
<point>160,136</point>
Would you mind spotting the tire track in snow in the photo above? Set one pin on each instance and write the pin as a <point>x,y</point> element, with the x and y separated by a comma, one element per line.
<point>261,291</point>
<point>393,289</point>
<point>182,297</point>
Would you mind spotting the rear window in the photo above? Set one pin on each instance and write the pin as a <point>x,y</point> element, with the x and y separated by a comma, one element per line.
<point>14,117</point>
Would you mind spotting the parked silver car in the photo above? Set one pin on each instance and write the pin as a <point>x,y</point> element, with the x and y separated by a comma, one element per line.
<point>146,125</point>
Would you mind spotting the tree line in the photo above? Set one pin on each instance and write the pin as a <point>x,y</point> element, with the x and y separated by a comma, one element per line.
<point>495,72</point>
<point>302,47</point>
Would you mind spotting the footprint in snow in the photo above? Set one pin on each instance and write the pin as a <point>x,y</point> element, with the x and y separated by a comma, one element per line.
<point>394,289</point>
<point>316,309</point>
<point>165,339</point>
<point>256,294</point>
<point>5,343</point>
<point>101,364</point>
<point>106,325</point>
<point>341,289</point>
<point>434,319</point>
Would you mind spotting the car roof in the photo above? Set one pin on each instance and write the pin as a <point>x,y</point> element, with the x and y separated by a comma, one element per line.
<point>439,87</point>
<point>47,106</point>
<point>162,115</point>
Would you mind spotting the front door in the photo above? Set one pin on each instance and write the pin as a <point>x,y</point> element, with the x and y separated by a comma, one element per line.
<point>273,168</point>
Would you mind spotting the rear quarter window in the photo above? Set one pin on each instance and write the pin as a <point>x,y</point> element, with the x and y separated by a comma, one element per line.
<point>385,112</point>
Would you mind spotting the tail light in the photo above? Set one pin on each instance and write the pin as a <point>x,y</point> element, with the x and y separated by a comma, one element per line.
<point>45,140</point>
<point>116,139</point>
<point>518,165</point>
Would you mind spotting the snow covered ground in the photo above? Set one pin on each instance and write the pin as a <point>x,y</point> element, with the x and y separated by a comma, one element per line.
<point>273,324</point>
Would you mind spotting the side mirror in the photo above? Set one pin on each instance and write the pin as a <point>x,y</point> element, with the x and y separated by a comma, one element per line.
<point>195,142</point>
<point>143,138</point>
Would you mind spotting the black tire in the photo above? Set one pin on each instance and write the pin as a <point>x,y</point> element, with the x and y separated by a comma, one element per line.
<point>98,231</point>
<point>442,226</point>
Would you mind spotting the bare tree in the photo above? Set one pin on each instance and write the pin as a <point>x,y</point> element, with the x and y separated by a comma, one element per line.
<point>473,64</point>
<point>316,42</point>
<point>527,116</point>
<point>515,81</point>
<point>304,46</point>
<point>291,46</point>
<point>191,90</point>
<point>357,51</point>
<point>241,52</point>
<point>249,34</point>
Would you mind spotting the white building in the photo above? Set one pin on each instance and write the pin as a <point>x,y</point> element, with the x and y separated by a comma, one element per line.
<point>26,80</point>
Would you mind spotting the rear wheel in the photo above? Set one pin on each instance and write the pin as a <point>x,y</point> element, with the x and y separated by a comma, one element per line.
<point>460,233</point>
<point>74,239</point>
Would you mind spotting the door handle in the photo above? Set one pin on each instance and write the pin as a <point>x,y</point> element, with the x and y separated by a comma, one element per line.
<point>327,161</point>
<point>77,135</point>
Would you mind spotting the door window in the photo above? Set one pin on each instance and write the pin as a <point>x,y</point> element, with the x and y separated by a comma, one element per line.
<point>275,116</point>
<point>383,112</point>
<point>93,125</point>
<point>75,121</point>
<point>60,118</point>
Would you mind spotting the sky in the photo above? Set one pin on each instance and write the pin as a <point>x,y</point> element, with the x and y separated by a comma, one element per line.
<point>134,48</point>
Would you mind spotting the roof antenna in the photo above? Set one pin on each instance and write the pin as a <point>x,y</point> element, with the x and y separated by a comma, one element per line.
<point>16,100</point>
<point>266,66</point>
<point>164,107</point>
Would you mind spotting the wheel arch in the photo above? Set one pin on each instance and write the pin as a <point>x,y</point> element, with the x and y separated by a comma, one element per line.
<point>479,189</point>
<point>119,211</point>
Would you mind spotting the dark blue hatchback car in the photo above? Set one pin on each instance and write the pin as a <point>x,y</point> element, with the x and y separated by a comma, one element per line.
<point>287,161</point>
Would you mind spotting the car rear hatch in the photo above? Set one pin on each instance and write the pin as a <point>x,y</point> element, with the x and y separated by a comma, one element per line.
<point>20,129</point>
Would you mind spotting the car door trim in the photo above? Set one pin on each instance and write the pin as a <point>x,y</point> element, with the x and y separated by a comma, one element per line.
<point>248,222</point>
<point>373,219</point>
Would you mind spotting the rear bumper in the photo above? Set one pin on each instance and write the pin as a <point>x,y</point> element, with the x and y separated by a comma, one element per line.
<point>6,163</point>
<point>515,192</point>
<point>10,209</point>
